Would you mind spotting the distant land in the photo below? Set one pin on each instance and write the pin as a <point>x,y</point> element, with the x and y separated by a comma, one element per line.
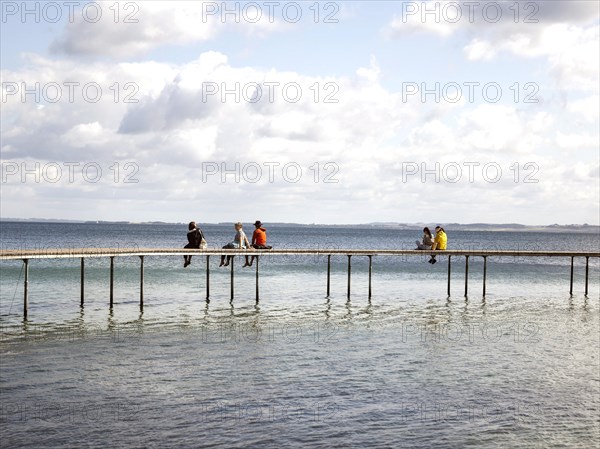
<point>499,227</point>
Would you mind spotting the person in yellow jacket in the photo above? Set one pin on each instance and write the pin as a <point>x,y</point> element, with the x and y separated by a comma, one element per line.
<point>439,243</point>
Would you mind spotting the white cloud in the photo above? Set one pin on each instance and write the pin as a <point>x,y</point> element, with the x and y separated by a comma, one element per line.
<point>144,26</point>
<point>588,108</point>
<point>368,134</point>
<point>492,127</point>
<point>565,33</point>
<point>151,24</point>
<point>572,51</point>
<point>479,50</point>
<point>371,73</point>
<point>85,134</point>
<point>574,141</point>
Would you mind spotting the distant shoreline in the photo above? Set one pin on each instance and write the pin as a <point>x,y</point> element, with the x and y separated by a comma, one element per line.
<point>500,227</point>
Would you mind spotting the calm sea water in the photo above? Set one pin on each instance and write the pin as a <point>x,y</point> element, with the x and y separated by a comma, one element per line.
<point>411,367</point>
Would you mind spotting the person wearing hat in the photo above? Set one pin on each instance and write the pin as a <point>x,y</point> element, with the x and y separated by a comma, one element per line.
<point>259,241</point>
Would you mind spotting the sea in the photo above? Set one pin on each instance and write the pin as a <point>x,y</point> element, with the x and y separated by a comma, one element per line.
<point>409,367</point>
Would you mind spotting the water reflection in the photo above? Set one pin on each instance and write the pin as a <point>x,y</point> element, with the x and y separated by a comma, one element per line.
<point>140,318</point>
<point>110,319</point>
<point>348,314</point>
<point>382,312</point>
<point>368,311</point>
<point>327,310</point>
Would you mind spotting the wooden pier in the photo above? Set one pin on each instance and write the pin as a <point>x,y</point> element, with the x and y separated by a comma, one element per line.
<point>86,253</point>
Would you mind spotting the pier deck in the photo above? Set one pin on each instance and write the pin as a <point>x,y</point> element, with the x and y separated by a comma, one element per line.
<point>112,253</point>
<point>124,252</point>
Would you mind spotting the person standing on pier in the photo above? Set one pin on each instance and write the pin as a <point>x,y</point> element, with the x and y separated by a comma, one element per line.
<point>240,241</point>
<point>259,241</point>
<point>195,239</point>
<point>439,243</point>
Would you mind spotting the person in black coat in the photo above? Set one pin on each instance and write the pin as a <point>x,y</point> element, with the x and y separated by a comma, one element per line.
<point>195,237</point>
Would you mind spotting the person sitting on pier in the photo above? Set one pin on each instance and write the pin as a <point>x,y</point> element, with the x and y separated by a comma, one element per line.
<point>439,243</point>
<point>240,241</point>
<point>195,238</point>
<point>259,241</point>
<point>427,242</point>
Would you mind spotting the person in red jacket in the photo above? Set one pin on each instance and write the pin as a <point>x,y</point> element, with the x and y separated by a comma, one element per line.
<point>259,241</point>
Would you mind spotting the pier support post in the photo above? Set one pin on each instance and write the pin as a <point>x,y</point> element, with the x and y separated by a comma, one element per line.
<point>82,282</point>
<point>26,289</point>
<point>112,279</point>
<point>571,282</point>
<point>257,278</point>
<point>484,272</point>
<point>466,275</point>
<point>587,272</point>
<point>207,278</point>
<point>449,271</point>
<point>231,286</point>
<point>370,272</point>
<point>141,282</point>
<point>349,273</point>
<point>328,274</point>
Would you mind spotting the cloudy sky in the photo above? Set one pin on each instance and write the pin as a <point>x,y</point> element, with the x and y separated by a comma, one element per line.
<point>326,112</point>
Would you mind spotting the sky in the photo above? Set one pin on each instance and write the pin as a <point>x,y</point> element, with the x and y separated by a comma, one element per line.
<point>307,112</point>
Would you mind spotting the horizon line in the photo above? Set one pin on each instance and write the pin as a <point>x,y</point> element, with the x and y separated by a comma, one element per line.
<point>373,223</point>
